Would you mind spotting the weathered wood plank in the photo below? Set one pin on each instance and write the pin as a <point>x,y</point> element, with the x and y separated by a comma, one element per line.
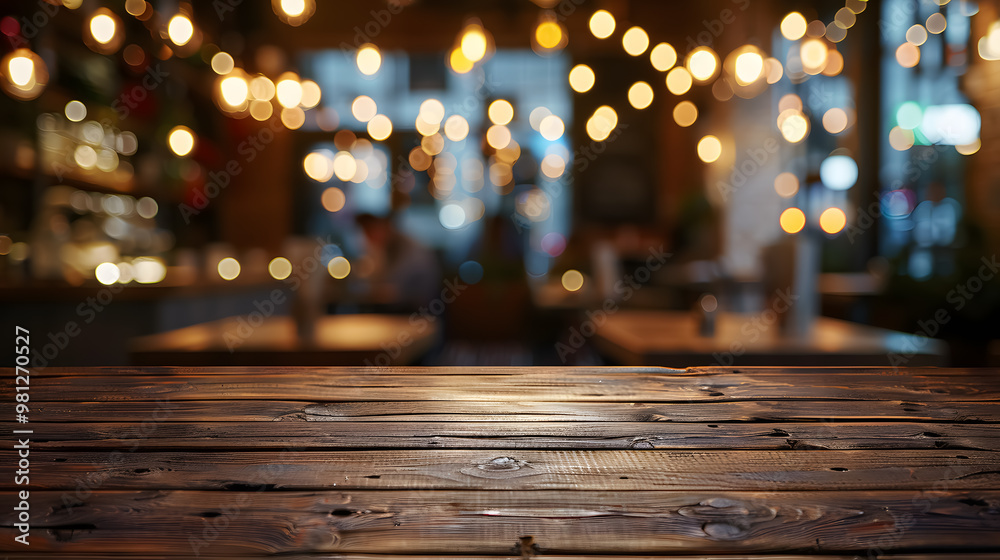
<point>236,436</point>
<point>494,522</point>
<point>256,384</point>
<point>517,411</point>
<point>444,469</point>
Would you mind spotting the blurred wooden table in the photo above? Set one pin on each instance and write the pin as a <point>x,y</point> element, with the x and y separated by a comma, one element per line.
<point>489,463</point>
<point>671,338</point>
<point>366,339</point>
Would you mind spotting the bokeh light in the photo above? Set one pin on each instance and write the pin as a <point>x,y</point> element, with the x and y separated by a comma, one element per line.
<point>181,140</point>
<point>709,149</point>
<point>602,24</point>
<point>279,268</point>
<point>640,95</point>
<point>832,220</point>
<point>792,220</point>
<point>572,280</point>
<point>663,57</point>
<point>229,268</point>
<point>786,185</point>
<point>685,113</point>
<point>581,78</point>
<point>793,26</point>
<point>339,267</point>
<point>635,41</point>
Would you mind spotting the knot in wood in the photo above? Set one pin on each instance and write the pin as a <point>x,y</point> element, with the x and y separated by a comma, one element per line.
<point>501,464</point>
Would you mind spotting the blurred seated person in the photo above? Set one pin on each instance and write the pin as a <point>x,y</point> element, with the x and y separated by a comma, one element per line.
<point>402,274</point>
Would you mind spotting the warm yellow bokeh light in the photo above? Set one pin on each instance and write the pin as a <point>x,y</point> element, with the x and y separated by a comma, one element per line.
<point>709,149</point>
<point>75,111</point>
<point>572,280</point>
<point>333,199</point>
<point>786,185</point>
<point>279,268</point>
<point>364,108</point>
<point>180,30</point>
<point>640,95</point>
<point>548,34</point>
<point>969,149</point>
<point>498,136</point>
<point>602,123</point>
<point>685,113</point>
<point>222,63</point>
<point>474,43</point>
<point>456,128</point>
<point>431,111</point>
<point>293,118</point>
<point>339,268</point>
<point>553,166</point>
<point>458,62</point>
<point>107,273</point>
<point>501,112</point>
<point>368,59</point>
<point>635,41</point>
<point>793,125</point>
<point>235,90</point>
<point>814,54</point>
<point>262,88</point>
<point>432,145</point>
<point>181,140</point>
<point>318,167</point>
<point>289,92</point>
<point>581,78</point>
<point>311,94</point>
<point>793,26</point>
<point>380,127</point>
<point>344,166</point>
<point>901,139</point>
<point>293,8</point>
<point>103,28</point>
<point>749,68</point>
<point>792,220</point>
<point>679,81</point>
<point>602,24</point>
<point>702,63</point>
<point>229,268</point>
<point>835,120</point>
<point>663,57</point>
<point>774,70</point>
<point>832,220</point>
<point>908,55</point>
<point>552,128</point>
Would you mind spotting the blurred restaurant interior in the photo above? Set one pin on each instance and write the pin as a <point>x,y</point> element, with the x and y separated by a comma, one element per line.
<point>501,182</point>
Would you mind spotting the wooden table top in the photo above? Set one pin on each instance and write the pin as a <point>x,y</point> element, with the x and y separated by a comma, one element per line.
<point>363,339</point>
<point>416,463</point>
<point>670,338</point>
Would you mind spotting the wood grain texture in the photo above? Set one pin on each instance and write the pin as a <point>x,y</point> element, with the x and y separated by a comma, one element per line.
<point>494,522</point>
<point>368,464</point>
<point>567,386</point>
<point>764,411</point>
<point>295,469</point>
<point>237,436</point>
